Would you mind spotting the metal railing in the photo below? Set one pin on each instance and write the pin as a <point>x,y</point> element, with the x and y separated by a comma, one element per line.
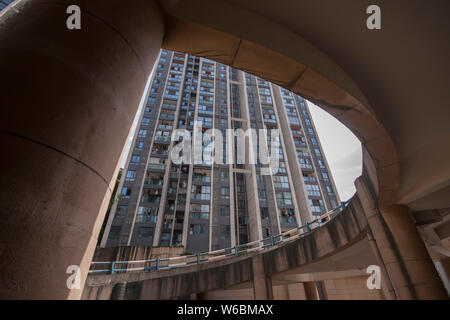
<point>197,258</point>
<point>12,9</point>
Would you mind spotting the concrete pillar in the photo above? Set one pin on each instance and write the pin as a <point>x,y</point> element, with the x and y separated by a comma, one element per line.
<point>386,286</point>
<point>69,100</point>
<point>262,284</point>
<point>286,291</point>
<point>310,290</point>
<point>407,262</point>
<point>119,291</point>
<point>322,290</point>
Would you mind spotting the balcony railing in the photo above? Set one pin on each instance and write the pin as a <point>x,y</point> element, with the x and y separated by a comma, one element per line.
<point>163,139</point>
<point>157,166</point>
<point>200,196</point>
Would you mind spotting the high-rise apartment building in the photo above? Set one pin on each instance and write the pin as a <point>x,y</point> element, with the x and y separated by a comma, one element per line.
<point>209,205</point>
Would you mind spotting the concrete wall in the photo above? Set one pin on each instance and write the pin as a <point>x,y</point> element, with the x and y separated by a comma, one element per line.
<point>353,288</point>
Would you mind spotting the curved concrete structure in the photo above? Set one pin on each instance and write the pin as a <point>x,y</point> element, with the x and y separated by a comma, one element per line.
<point>66,97</point>
<point>62,128</point>
<point>369,80</point>
<point>344,231</point>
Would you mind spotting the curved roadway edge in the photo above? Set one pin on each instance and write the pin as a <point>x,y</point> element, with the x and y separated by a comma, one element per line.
<point>345,230</point>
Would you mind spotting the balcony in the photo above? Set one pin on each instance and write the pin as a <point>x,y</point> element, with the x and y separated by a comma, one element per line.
<point>153,183</point>
<point>306,166</point>
<point>162,139</point>
<point>165,116</point>
<point>157,166</point>
<point>299,143</point>
<point>151,199</point>
<point>201,196</point>
<point>168,106</point>
<point>165,127</point>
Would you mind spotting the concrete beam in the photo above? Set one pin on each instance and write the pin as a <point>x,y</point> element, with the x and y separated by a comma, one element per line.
<point>319,276</point>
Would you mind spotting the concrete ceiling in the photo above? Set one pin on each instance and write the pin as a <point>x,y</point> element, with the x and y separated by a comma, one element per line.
<point>397,78</point>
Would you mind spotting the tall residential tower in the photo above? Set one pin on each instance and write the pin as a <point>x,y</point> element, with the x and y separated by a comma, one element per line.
<point>209,205</point>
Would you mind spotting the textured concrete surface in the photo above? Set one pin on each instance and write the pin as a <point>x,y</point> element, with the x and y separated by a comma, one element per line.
<point>344,230</point>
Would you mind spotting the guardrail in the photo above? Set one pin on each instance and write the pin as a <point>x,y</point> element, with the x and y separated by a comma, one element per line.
<point>12,9</point>
<point>181,261</point>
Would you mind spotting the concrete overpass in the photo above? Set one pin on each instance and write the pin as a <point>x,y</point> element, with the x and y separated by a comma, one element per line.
<point>66,89</point>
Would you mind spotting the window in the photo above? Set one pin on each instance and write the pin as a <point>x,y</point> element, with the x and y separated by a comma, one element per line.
<point>325,176</point>
<point>284,198</point>
<point>121,211</point>
<point>151,101</point>
<point>312,190</point>
<point>145,232</point>
<point>333,203</point>
<point>262,195</point>
<point>196,229</point>
<point>145,121</point>
<point>147,214</point>
<point>287,216</point>
<point>135,159</point>
<point>317,151</point>
<point>199,211</point>
<point>142,133</point>
<point>130,175</point>
<point>240,189</point>
<point>202,176</point>
<point>303,153</point>
<point>225,211</point>
<point>266,232</point>
<point>225,231</point>
<point>316,205</point>
<point>241,204</point>
<point>224,175</point>
<point>264,213</point>
<point>126,192</point>
<point>281,182</point>
<point>259,178</point>
<point>282,168</point>
<point>114,232</point>
<point>225,192</point>
<point>243,220</point>
<point>201,192</point>
<point>321,164</point>
<point>140,145</point>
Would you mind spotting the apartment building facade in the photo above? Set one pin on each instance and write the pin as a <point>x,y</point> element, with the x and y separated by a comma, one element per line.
<point>209,204</point>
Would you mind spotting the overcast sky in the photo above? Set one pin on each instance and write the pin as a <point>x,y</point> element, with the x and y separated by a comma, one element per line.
<point>342,149</point>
